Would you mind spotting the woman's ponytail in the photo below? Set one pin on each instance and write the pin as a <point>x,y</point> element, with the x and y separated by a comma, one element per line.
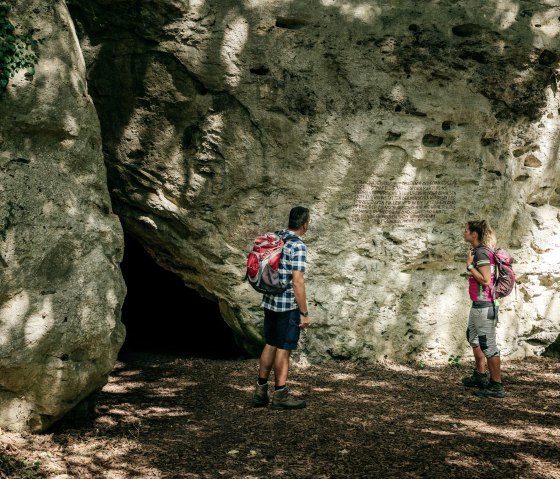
<point>485,232</point>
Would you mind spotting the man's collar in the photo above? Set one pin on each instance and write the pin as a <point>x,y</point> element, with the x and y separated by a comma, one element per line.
<point>294,233</point>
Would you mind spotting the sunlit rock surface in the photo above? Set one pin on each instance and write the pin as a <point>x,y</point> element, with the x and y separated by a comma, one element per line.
<point>219,116</point>
<point>60,245</point>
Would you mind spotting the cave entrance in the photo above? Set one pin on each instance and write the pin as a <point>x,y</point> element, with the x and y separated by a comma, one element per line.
<point>162,315</point>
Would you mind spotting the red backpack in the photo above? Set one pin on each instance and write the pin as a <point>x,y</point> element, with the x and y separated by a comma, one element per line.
<point>263,262</point>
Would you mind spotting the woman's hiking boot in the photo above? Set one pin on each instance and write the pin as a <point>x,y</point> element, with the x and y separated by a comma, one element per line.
<point>260,396</point>
<point>281,399</point>
<point>476,380</point>
<point>493,390</point>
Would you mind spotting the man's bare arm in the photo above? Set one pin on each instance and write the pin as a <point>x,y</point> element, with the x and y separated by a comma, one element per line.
<point>301,298</point>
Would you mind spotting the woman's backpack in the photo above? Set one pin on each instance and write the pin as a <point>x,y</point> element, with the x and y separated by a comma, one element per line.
<point>504,281</point>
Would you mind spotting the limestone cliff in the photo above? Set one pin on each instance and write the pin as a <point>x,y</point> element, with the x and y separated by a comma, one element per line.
<point>394,122</point>
<point>60,245</point>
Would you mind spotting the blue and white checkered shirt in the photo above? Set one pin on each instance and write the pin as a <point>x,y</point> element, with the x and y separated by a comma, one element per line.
<point>293,258</point>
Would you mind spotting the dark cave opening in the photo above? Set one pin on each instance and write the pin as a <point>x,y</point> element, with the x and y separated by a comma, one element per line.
<point>162,315</point>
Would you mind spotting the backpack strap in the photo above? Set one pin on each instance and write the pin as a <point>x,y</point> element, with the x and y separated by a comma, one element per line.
<point>289,237</point>
<point>292,238</point>
<point>493,287</point>
<point>486,247</point>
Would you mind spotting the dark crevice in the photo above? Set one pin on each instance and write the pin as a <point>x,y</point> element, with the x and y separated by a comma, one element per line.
<point>432,140</point>
<point>290,23</point>
<point>262,70</point>
<point>468,30</point>
<point>162,315</point>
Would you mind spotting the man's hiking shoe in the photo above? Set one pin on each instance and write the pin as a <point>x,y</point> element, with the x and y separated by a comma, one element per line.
<point>260,396</point>
<point>492,390</point>
<point>476,380</point>
<point>281,399</point>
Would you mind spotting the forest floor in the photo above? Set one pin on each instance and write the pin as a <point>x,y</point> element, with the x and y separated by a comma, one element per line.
<point>163,416</point>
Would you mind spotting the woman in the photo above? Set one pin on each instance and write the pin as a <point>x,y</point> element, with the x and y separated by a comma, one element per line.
<point>483,317</point>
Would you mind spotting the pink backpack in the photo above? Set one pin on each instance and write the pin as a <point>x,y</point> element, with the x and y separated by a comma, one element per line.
<point>505,276</point>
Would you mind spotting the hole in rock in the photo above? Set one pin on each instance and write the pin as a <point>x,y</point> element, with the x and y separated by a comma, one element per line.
<point>162,315</point>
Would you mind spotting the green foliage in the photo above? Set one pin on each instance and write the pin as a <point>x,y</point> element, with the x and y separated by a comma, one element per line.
<point>18,469</point>
<point>8,220</point>
<point>454,361</point>
<point>17,52</point>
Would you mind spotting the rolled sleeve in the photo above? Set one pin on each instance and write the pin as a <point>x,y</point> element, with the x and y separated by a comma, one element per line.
<point>481,257</point>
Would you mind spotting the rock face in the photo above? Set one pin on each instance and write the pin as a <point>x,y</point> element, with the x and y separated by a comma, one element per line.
<point>60,245</point>
<point>394,122</point>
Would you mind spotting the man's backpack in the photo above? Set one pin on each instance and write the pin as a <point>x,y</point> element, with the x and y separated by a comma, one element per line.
<point>504,281</point>
<point>263,262</point>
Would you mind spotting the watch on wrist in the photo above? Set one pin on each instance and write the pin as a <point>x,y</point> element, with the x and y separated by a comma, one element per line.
<point>304,313</point>
<point>469,267</point>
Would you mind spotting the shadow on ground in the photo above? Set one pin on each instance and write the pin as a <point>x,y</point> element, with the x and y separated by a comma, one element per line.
<point>164,417</point>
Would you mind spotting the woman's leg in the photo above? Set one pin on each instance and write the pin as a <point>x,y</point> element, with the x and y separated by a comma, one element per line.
<point>472,336</point>
<point>479,359</point>
<point>494,366</point>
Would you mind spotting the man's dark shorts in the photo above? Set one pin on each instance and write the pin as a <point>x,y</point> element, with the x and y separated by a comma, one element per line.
<point>281,329</point>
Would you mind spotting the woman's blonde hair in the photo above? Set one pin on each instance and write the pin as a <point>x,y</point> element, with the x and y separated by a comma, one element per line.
<point>485,232</point>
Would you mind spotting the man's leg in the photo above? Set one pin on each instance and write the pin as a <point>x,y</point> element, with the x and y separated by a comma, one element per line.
<point>288,336</point>
<point>260,396</point>
<point>281,367</point>
<point>266,361</point>
<point>281,398</point>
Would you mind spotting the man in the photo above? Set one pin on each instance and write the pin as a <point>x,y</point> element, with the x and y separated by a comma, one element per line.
<point>285,314</point>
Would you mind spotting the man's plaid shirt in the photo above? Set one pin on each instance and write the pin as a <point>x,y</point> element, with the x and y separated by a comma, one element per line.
<point>294,256</point>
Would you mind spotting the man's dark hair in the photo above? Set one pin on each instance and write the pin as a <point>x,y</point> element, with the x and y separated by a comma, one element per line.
<point>299,215</point>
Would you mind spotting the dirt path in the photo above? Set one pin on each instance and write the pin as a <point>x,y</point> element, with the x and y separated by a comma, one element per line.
<point>167,417</point>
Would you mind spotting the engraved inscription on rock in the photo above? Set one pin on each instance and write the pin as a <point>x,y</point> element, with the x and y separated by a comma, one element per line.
<point>402,202</point>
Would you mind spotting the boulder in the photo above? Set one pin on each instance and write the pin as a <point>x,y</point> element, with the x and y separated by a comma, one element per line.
<point>61,288</point>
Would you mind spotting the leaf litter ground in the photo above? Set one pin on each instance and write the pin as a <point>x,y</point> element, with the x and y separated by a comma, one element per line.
<point>163,416</point>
